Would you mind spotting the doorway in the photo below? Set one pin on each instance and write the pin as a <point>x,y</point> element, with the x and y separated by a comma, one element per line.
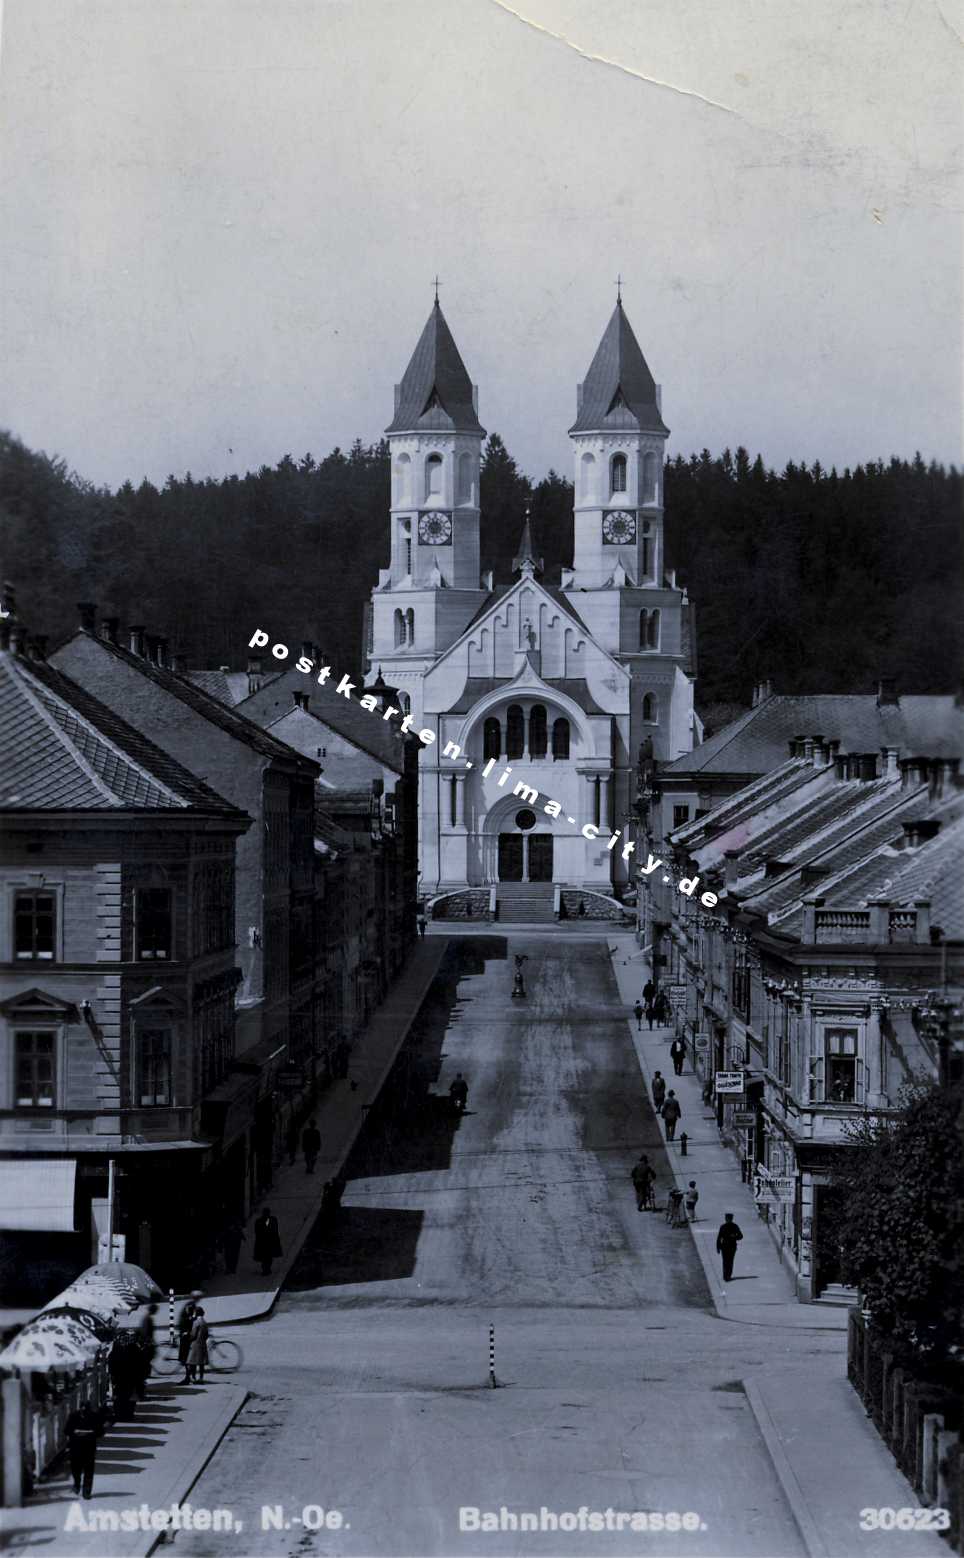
<point>525,857</point>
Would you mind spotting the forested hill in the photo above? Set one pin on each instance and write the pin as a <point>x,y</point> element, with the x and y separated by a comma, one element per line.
<point>817,580</point>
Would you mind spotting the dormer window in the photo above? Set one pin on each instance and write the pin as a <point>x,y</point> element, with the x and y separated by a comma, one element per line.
<point>618,470</point>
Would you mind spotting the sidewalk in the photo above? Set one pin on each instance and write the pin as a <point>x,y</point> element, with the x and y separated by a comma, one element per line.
<point>829,1460</point>
<point>155,1459</point>
<point>295,1197</point>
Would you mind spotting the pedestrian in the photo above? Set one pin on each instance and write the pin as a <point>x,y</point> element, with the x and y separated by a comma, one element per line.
<point>675,1215</point>
<point>641,1175</point>
<point>662,1009</point>
<point>184,1324</point>
<point>82,1429</point>
<point>459,1093</point>
<point>267,1240</point>
<point>638,1011</point>
<point>671,1114</point>
<point>231,1241</point>
<point>291,1140</point>
<point>727,1240</point>
<point>692,1196</point>
<point>124,1368</point>
<point>146,1346</point>
<point>421,925</point>
<point>649,992</point>
<point>311,1145</point>
<point>197,1356</point>
<point>659,1092</point>
<point>677,1054</point>
<point>651,1013</point>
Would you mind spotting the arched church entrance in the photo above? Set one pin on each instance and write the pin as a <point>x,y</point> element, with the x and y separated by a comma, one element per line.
<point>524,855</point>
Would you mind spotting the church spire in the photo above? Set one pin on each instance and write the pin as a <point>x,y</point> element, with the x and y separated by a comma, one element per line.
<point>525,561</point>
<point>436,393</point>
<point>618,393</point>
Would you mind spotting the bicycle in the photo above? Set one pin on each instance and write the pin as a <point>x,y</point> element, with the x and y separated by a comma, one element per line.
<point>224,1357</point>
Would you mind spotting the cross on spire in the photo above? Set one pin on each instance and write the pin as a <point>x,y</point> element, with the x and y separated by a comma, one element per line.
<point>619,289</point>
<point>436,284</point>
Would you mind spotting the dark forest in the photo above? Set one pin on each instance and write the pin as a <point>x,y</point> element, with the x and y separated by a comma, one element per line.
<point>817,580</point>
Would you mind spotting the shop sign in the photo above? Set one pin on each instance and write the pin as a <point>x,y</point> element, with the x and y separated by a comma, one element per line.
<point>744,1117</point>
<point>702,1041</point>
<point>729,1082</point>
<point>773,1189</point>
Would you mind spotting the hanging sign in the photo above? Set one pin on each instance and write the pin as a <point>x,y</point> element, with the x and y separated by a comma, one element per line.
<point>729,1082</point>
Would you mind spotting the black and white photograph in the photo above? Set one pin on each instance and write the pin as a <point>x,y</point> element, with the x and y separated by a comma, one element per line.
<point>481,792</point>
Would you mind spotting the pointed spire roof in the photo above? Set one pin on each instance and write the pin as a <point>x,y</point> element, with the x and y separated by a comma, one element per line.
<point>619,391</point>
<point>526,553</point>
<point>436,392</point>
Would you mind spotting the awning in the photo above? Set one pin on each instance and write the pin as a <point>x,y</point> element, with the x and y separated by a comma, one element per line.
<point>37,1194</point>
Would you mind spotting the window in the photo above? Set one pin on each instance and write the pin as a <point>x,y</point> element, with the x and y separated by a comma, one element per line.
<point>491,739</point>
<point>644,558</point>
<point>681,814</point>
<point>410,625</point>
<point>652,630</point>
<point>560,738</point>
<point>465,479</point>
<point>515,731</point>
<point>152,923</point>
<point>650,467</point>
<point>399,624</point>
<point>651,716</point>
<point>741,986</point>
<point>619,473</point>
<point>405,703</point>
<point>588,468</point>
<point>433,476</point>
<point>35,1073</point>
<point>34,925</point>
<point>154,1046</point>
<point>403,479</point>
<point>538,731</point>
<point>841,1066</point>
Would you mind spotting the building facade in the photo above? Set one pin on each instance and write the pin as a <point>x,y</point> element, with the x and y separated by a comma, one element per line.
<point>538,695</point>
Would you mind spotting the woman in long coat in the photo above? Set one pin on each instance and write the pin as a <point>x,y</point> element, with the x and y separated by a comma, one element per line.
<point>267,1240</point>
<point>197,1356</point>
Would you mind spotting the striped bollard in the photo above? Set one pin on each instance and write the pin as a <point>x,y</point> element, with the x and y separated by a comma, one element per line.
<point>170,1315</point>
<point>492,1379</point>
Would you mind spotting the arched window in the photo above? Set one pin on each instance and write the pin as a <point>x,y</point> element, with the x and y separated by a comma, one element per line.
<point>491,739</point>
<point>560,738</point>
<point>410,625</point>
<point>433,476</point>
<point>403,479</point>
<point>652,630</point>
<point>538,730</point>
<point>399,628</point>
<point>650,469</point>
<point>405,703</point>
<point>643,626</point>
<point>465,479</point>
<point>646,554</point>
<point>588,466</point>
<point>618,473</point>
<point>515,731</point>
<point>650,709</point>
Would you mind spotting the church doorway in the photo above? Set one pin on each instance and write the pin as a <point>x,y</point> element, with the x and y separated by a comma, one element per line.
<point>525,856</point>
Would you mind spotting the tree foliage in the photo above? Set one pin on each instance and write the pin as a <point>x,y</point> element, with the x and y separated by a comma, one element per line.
<point>901,1223</point>
<point>815,580</point>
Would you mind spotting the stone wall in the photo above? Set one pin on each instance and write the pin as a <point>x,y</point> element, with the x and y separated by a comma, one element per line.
<point>597,906</point>
<point>471,903</point>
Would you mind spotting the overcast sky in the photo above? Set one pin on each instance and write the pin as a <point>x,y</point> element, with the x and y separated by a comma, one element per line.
<point>219,220</point>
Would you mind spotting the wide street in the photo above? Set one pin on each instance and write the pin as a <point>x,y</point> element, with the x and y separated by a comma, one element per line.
<point>619,1387</point>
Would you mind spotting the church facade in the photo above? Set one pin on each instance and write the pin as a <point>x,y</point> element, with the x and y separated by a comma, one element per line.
<point>541,696</point>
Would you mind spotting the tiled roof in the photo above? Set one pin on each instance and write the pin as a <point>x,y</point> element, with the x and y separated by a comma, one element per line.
<point>436,391</point>
<point>619,390</point>
<point>919,726</point>
<point>63,750</point>
<point>229,687</point>
<point>831,817</point>
<point>212,709</point>
<point>764,790</point>
<point>379,738</point>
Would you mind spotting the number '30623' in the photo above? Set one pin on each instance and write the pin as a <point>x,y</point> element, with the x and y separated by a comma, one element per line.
<point>886,1519</point>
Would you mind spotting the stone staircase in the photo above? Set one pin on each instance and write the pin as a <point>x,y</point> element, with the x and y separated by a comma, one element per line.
<point>525,903</point>
<point>837,1293</point>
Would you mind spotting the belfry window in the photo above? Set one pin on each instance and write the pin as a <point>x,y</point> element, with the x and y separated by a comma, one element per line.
<point>619,473</point>
<point>410,625</point>
<point>515,731</point>
<point>649,629</point>
<point>399,627</point>
<point>433,476</point>
<point>491,739</point>
<point>650,709</point>
<point>560,738</point>
<point>538,730</point>
<point>650,470</point>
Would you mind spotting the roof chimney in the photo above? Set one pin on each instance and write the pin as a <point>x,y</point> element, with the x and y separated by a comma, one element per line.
<point>161,651</point>
<point>137,641</point>
<point>890,756</point>
<point>179,662</point>
<point>301,700</point>
<point>17,635</point>
<point>108,629</point>
<point>88,616</point>
<point>887,692</point>
<point>917,830</point>
<point>254,673</point>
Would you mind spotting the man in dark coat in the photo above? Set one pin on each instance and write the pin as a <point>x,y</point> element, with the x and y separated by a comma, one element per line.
<point>671,1114</point>
<point>267,1240</point>
<point>638,1013</point>
<point>659,1091</point>
<point>311,1145</point>
<point>677,1054</point>
<point>83,1429</point>
<point>649,993</point>
<point>727,1240</point>
<point>459,1093</point>
<point>641,1175</point>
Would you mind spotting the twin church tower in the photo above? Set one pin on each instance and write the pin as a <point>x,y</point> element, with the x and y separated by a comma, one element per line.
<point>562,682</point>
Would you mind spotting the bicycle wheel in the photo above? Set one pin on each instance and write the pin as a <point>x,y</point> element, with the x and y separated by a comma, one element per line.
<point>166,1364</point>
<point>224,1356</point>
